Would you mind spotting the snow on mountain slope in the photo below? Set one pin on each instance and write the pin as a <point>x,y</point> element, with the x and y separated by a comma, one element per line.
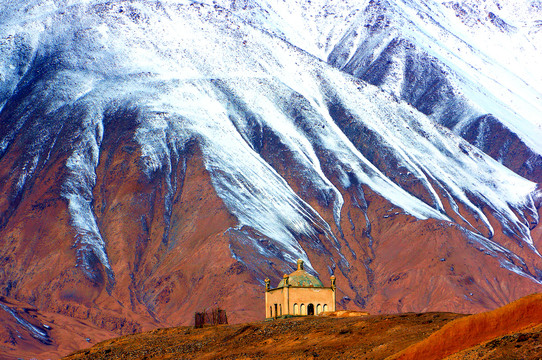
<point>106,108</point>
<point>455,61</point>
<point>178,94</point>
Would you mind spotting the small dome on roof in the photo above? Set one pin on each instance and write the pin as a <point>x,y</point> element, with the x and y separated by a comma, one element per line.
<point>301,278</point>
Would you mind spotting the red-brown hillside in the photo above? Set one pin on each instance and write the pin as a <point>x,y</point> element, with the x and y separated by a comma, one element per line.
<point>28,333</point>
<point>159,284</point>
<point>467,332</point>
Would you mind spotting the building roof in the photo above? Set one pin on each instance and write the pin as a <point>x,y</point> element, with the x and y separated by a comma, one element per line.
<point>301,278</point>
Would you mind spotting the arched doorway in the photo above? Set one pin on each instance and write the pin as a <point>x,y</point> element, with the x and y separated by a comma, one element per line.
<point>310,309</point>
<point>296,312</point>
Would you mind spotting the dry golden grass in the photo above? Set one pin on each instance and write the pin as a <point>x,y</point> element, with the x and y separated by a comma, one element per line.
<point>510,332</point>
<point>360,337</point>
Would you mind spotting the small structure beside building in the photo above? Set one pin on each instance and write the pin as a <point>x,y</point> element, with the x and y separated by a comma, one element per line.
<point>210,317</point>
<point>299,294</point>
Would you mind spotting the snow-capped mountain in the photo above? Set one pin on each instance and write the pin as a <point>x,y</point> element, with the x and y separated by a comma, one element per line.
<point>471,66</point>
<point>159,157</point>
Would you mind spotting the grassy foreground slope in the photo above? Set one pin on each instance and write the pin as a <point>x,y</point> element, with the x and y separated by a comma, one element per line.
<point>510,332</point>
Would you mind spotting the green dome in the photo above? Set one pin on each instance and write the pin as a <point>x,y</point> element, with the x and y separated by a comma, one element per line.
<point>301,278</point>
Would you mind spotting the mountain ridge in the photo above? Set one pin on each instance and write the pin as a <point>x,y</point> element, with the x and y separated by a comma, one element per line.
<point>156,158</point>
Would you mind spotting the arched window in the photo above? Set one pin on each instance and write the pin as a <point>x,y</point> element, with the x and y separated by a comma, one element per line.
<point>318,309</point>
<point>310,309</point>
<point>325,307</point>
<point>296,311</point>
<point>303,310</point>
<point>270,311</point>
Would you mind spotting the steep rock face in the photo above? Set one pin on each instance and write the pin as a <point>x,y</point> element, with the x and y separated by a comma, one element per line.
<point>158,159</point>
<point>490,136</point>
<point>403,54</point>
